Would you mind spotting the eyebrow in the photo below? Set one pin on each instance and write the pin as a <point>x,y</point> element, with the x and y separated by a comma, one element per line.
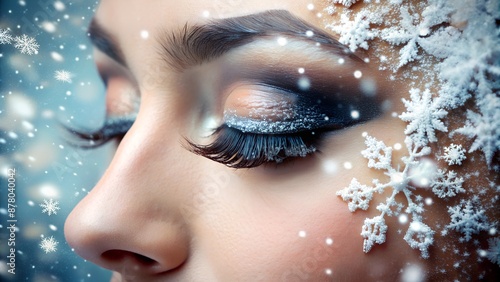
<point>105,42</point>
<point>194,45</point>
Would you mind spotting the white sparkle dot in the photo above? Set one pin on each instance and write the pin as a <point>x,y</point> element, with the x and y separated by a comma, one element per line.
<point>358,74</point>
<point>310,7</point>
<point>52,227</point>
<point>328,271</point>
<point>397,146</point>
<point>428,201</point>
<point>301,70</point>
<point>282,41</point>
<point>403,218</point>
<point>302,234</point>
<point>329,241</point>
<point>364,134</point>
<point>144,34</point>
<point>309,33</point>
<point>355,114</point>
<point>348,165</point>
<point>341,61</point>
<point>206,14</point>
<point>304,83</point>
<point>330,166</point>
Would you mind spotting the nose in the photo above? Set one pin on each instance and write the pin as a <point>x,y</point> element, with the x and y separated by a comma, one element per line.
<point>130,222</point>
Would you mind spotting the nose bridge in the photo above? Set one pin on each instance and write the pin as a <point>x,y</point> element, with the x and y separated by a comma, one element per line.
<point>131,217</point>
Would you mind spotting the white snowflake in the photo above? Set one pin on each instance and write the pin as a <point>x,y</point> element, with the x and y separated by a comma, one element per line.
<point>447,184</point>
<point>454,154</point>
<point>347,3</point>
<point>50,207</point>
<point>423,114</point>
<point>49,245</point>
<point>63,75</point>
<point>467,219</point>
<point>26,44</point>
<point>493,253</point>
<point>420,236</point>
<point>358,196</point>
<point>484,127</point>
<point>5,37</point>
<point>355,34</point>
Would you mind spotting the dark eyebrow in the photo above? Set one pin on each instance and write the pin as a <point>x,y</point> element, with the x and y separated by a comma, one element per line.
<point>105,42</point>
<point>193,45</point>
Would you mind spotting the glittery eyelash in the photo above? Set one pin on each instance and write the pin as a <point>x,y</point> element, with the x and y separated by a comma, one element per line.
<point>113,128</point>
<point>238,149</point>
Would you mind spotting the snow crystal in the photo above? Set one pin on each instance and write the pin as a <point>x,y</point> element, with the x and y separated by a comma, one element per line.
<point>63,76</point>
<point>347,3</point>
<point>358,196</point>
<point>25,44</point>
<point>467,219</point>
<point>49,245</point>
<point>447,184</point>
<point>454,154</point>
<point>423,114</point>
<point>493,253</point>
<point>484,127</point>
<point>50,207</point>
<point>5,37</point>
<point>355,34</point>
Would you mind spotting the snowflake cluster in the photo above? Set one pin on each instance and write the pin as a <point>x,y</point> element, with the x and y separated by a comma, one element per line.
<point>468,66</point>
<point>25,44</point>
<point>63,76</point>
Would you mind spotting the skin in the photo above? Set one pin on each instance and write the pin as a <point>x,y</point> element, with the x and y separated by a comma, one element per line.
<point>163,213</point>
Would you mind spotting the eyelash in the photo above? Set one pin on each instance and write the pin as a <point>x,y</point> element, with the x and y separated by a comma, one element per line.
<point>238,149</point>
<point>113,128</point>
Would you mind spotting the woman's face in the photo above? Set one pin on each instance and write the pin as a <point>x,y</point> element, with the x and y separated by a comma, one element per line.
<point>163,212</point>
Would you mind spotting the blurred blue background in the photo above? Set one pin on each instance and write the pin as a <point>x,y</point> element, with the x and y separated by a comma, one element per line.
<point>33,107</point>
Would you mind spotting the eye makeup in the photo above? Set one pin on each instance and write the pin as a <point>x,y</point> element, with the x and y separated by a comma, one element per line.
<point>113,128</point>
<point>268,123</point>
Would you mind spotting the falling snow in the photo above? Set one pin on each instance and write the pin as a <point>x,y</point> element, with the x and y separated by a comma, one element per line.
<point>50,207</point>
<point>63,75</point>
<point>49,245</point>
<point>25,44</point>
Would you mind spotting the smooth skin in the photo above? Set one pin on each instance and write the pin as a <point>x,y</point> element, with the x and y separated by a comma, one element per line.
<point>163,213</point>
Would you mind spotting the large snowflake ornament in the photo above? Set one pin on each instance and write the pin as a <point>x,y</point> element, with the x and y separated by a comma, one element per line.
<point>358,196</point>
<point>467,218</point>
<point>49,245</point>
<point>26,44</point>
<point>50,207</point>
<point>424,114</point>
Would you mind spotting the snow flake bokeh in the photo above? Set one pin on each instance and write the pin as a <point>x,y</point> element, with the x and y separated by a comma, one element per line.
<point>48,79</point>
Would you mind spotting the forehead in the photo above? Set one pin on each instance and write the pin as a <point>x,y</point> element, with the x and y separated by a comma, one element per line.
<point>136,25</point>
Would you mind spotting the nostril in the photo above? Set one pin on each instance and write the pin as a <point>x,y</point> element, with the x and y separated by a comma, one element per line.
<point>119,256</point>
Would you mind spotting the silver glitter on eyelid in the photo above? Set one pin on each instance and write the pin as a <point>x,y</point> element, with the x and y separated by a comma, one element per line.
<point>300,122</point>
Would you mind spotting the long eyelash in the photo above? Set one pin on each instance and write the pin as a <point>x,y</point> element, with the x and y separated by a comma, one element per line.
<point>113,128</point>
<point>238,149</point>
